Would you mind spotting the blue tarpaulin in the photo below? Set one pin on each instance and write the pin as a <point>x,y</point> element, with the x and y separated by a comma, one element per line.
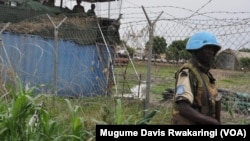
<point>81,69</point>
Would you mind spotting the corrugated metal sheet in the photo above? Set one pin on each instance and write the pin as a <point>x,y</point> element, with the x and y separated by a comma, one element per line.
<point>226,61</point>
<point>80,71</point>
<point>230,59</point>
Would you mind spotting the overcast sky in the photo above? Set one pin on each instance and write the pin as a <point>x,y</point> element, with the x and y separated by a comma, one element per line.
<point>194,5</point>
<point>132,9</point>
<point>213,5</point>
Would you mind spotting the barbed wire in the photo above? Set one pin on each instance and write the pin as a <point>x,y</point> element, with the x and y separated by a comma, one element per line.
<point>233,31</point>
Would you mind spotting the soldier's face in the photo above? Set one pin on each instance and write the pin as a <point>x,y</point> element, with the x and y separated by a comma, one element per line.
<point>206,55</point>
<point>208,51</point>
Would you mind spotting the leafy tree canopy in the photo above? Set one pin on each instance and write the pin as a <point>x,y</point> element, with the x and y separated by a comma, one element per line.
<point>177,51</point>
<point>244,50</point>
<point>130,50</point>
<point>159,45</point>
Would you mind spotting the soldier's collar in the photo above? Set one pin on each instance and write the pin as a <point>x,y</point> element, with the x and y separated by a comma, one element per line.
<point>201,67</point>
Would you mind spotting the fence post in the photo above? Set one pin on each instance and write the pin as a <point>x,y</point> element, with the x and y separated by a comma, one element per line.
<point>56,27</point>
<point>110,62</point>
<point>151,36</point>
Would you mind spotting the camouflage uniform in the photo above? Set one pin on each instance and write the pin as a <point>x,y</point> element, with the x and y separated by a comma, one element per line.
<point>196,85</point>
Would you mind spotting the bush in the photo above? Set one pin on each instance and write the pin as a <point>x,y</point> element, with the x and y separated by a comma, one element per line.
<point>245,62</point>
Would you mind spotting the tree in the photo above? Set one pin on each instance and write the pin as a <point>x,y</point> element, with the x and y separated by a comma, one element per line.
<point>130,50</point>
<point>177,51</point>
<point>244,50</point>
<point>245,62</point>
<point>159,45</point>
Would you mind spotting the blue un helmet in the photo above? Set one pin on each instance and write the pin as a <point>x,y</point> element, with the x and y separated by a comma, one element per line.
<point>201,39</point>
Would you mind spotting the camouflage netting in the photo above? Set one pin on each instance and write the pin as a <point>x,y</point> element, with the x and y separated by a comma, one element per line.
<point>31,17</point>
<point>16,14</point>
<point>80,29</point>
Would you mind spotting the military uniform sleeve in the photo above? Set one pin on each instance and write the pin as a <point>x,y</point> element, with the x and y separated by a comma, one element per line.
<point>183,87</point>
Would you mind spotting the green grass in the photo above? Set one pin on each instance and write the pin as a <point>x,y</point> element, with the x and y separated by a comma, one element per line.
<point>236,82</point>
<point>162,77</point>
<point>73,119</point>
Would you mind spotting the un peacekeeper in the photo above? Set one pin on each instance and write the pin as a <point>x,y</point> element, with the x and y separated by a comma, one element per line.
<point>196,100</point>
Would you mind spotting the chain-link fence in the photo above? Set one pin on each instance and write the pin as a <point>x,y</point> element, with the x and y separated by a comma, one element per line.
<point>233,34</point>
<point>64,54</point>
<point>73,54</point>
